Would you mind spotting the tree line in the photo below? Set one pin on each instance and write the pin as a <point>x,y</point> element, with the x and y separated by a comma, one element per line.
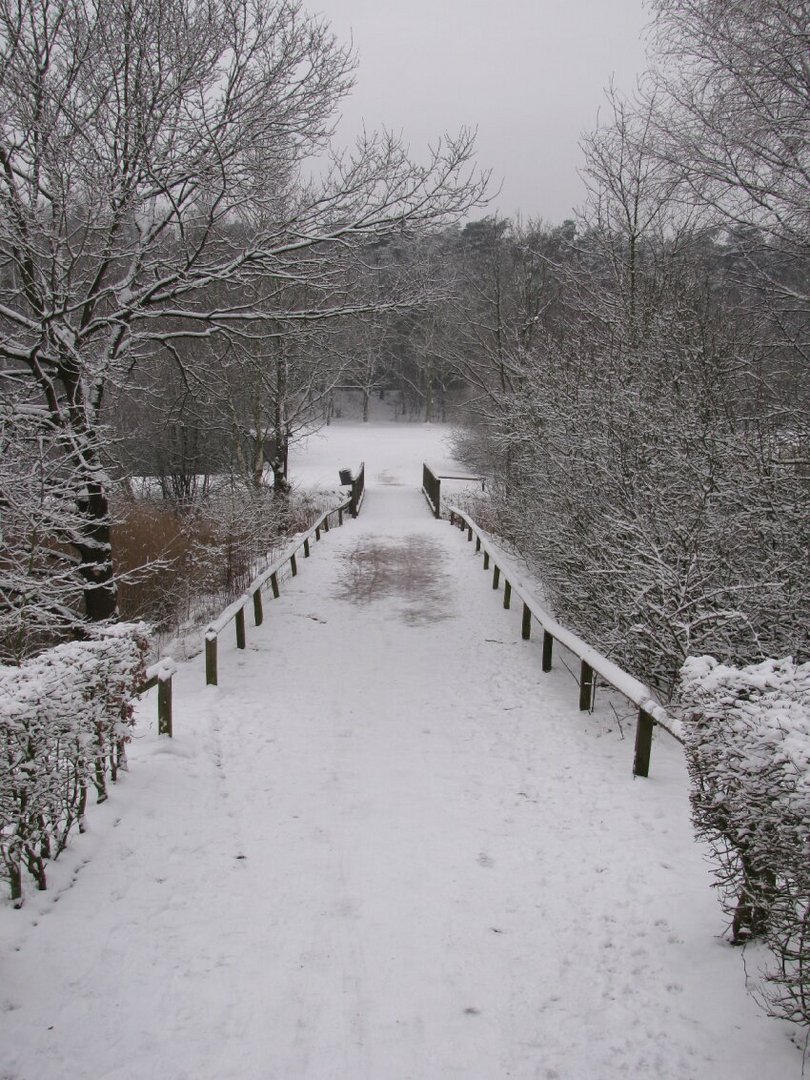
<point>639,376</point>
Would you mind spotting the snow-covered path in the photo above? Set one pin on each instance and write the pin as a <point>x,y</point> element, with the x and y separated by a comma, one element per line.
<point>386,846</point>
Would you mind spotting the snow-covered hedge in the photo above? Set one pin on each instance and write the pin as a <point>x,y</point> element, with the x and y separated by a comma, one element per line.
<point>748,748</point>
<point>65,717</point>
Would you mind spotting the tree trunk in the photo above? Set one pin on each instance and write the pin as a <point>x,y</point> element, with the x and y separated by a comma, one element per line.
<point>95,551</point>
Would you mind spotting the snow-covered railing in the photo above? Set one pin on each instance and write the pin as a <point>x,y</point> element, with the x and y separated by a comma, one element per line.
<point>432,486</point>
<point>592,663</point>
<point>358,490</point>
<point>432,489</point>
<point>160,675</point>
<point>235,612</point>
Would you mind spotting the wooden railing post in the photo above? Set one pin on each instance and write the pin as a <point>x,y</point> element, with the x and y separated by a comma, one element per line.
<point>644,734</point>
<point>165,706</point>
<point>486,560</point>
<point>358,486</point>
<point>477,544</point>
<point>585,687</point>
<point>507,594</point>
<point>239,620</point>
<point>317,532</point>
<point>432,487</point>
<point>496,577</point>
<point>306,548</point>
<point>526,625</point>
<point>258,611</point>
<point>340,515</point>
<point>274,585</point>
<point>293,565</point>
<point>548,646</point>
<point>211,660</point>
<point>326,523</point>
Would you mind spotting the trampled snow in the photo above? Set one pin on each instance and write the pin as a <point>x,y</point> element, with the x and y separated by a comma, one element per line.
<point>386,846</point>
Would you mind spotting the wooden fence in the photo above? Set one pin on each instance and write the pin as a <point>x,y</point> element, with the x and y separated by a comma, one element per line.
<point>358,490</point>
<point>432,486</point>
<point>592,663</point>
<point>235,612</point>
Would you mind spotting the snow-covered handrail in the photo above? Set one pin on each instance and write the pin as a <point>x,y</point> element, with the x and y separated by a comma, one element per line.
<point>432,485</point>
<point>650,711</point>
<point>235,612</point>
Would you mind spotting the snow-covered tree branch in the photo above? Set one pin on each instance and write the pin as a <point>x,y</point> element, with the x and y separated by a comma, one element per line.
<point>153,161</point>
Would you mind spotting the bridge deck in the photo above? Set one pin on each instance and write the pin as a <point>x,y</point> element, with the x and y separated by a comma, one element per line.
<point>385,847</point>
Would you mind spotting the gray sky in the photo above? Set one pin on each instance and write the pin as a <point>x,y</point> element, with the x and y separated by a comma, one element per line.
<point>529,74</point>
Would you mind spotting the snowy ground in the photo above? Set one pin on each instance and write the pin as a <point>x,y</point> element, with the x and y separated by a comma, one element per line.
<point>386,847</point>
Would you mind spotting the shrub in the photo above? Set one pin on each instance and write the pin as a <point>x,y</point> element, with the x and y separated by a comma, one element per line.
<point>748,749</point>
<point>65,718</point>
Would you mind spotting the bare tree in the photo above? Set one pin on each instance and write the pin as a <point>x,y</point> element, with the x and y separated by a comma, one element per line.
<point>151,157</point>
<point>730,92</point>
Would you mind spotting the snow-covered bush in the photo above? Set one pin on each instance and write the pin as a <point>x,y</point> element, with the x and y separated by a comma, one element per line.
<point>748,749</point>
<point>65,717</point>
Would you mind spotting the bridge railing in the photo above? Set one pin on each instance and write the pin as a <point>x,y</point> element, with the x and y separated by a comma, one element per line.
<point>252,597</point>
<point>432,486</point>
<point>358,490</point>
<point>592,663</point>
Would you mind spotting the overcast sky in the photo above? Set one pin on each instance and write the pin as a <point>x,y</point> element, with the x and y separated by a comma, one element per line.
<point>529,74</point>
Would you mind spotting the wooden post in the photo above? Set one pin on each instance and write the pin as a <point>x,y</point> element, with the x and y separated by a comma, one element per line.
<point>306,548</point>
<point>507,594</point>
<point>644,734</point>
<point>258,611</point>
<point>548,645</point>
<point>585,687</point>
<point>452,517</point>
<point>496,577</point>
<point>340,515</point>
<point>274,585</point>
<point>165,706</point>
<point>486,560</point>
<point>239,619</point>
<point>317,532</point>
<point>326,523</point>
<point>469,533</point>
<point>477,544</point>
<point>293,565</point>
<point>211,660</point>
<point>526,627</point>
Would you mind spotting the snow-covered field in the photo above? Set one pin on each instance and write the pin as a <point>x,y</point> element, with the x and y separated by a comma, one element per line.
<point>385,847</point>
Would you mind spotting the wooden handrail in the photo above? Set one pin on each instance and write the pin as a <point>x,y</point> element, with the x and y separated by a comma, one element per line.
<point>358,491</point>
<point>650,711</point>
<point>432,489</point>
<point>432,486</point>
